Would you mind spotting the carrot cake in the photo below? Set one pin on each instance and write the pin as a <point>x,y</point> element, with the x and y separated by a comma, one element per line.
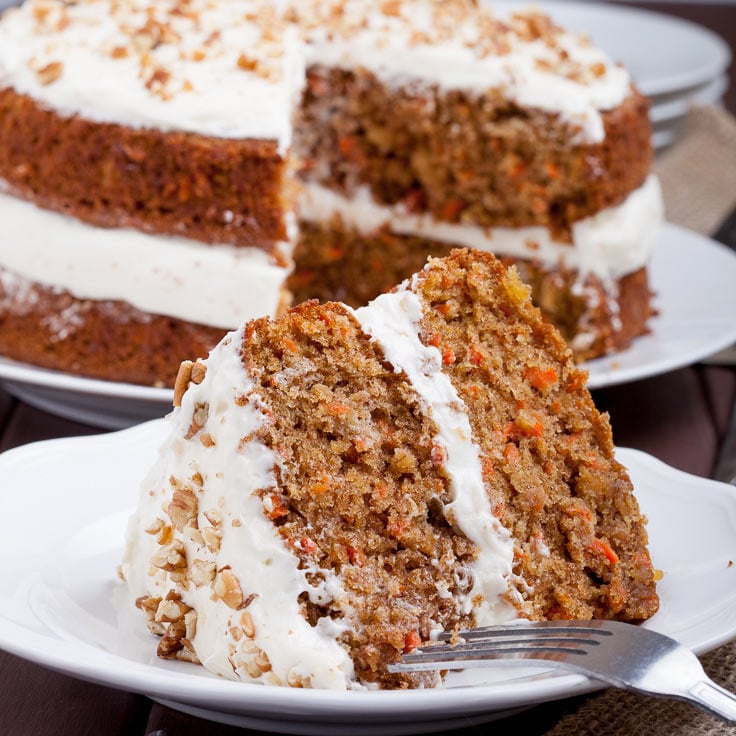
<point>170,168</point>
<point>339,485</point>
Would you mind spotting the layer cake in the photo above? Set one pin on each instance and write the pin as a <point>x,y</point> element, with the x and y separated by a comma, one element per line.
<point>210,163</point>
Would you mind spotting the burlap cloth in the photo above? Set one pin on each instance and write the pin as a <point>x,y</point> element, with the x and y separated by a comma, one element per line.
<point>698,175</point>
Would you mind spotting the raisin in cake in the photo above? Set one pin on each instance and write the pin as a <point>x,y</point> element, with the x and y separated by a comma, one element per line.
<point>341,484</point>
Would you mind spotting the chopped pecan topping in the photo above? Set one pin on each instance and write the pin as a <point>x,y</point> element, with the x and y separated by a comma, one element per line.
<point>171,557</point>
<point>202,572</point>
<point>50,73</point>
<point>198,372</point>
<point>182,381</point>
<point>227,588</point>
<point>183,508</point>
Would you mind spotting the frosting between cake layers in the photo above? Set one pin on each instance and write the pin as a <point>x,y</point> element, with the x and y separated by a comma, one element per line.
<point>155,273</point>
<point>230,472</point>
<point>610,244</point>
<point>393,321</point>
<point>234,69</point>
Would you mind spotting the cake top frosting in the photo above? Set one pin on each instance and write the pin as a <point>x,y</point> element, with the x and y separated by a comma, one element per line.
<point>232,69</point>
<point>190,65</point>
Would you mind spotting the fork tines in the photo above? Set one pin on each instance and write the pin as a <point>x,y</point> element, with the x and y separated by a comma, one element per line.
<point>548,641</point>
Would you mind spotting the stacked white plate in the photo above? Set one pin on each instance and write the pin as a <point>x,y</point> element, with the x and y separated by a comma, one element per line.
<point>675,62</point>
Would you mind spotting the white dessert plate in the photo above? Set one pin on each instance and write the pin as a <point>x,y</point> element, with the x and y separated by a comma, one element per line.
<point>665,137</point>
<point>106,404</point>
<point>62,605</point>
<point>663,54</point>
<point>692,276</point>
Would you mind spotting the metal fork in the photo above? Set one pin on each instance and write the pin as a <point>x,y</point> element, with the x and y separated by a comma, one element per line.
<point>619,654</point>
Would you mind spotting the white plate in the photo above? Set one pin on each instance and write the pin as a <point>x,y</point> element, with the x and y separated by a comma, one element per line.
<point>66,503</point>
<point>663,54</point>
<point>665,137</point>
<point>88,400</point>
<point>692,276</point>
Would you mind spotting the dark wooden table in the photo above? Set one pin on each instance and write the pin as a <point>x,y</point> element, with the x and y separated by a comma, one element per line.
<point>679,417</point>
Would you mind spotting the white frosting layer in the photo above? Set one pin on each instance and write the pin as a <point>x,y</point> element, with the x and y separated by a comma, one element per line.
<point>232,470</point>
<point>215,285</point>
<point>233,68</point>
<point>141,64</point>
<point>610,244</point>
<point>393,320</point>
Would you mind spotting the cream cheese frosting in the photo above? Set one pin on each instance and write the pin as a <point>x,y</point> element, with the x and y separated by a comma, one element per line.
<point>159,274</point>
<point>232,549</point>
<point>154,273</point>
<point>199,66</point>
<point>612,243</point>
<point>461,45</point>
<point>393,321</point>
<point>141,64</point>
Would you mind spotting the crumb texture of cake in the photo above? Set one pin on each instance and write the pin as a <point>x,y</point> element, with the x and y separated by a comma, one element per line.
<point>364,133</point>
<point>341,484</point>
<point>324,139</point>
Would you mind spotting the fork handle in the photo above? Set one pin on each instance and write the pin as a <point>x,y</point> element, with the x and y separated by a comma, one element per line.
<point>714,699</point>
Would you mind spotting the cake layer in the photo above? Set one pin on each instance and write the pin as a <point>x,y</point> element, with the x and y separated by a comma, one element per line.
<point>468,158</point>
<point>99,338</point>
<point>595,317</point>
<point>216,190</point>
<point>550,470</point>
<point>358,480</point>
<point>176,119</point>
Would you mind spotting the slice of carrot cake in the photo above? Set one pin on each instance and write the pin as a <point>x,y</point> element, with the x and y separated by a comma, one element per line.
<point>341,484</point>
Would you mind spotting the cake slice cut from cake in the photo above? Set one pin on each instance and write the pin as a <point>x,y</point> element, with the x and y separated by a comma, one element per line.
<point>341,484</point>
